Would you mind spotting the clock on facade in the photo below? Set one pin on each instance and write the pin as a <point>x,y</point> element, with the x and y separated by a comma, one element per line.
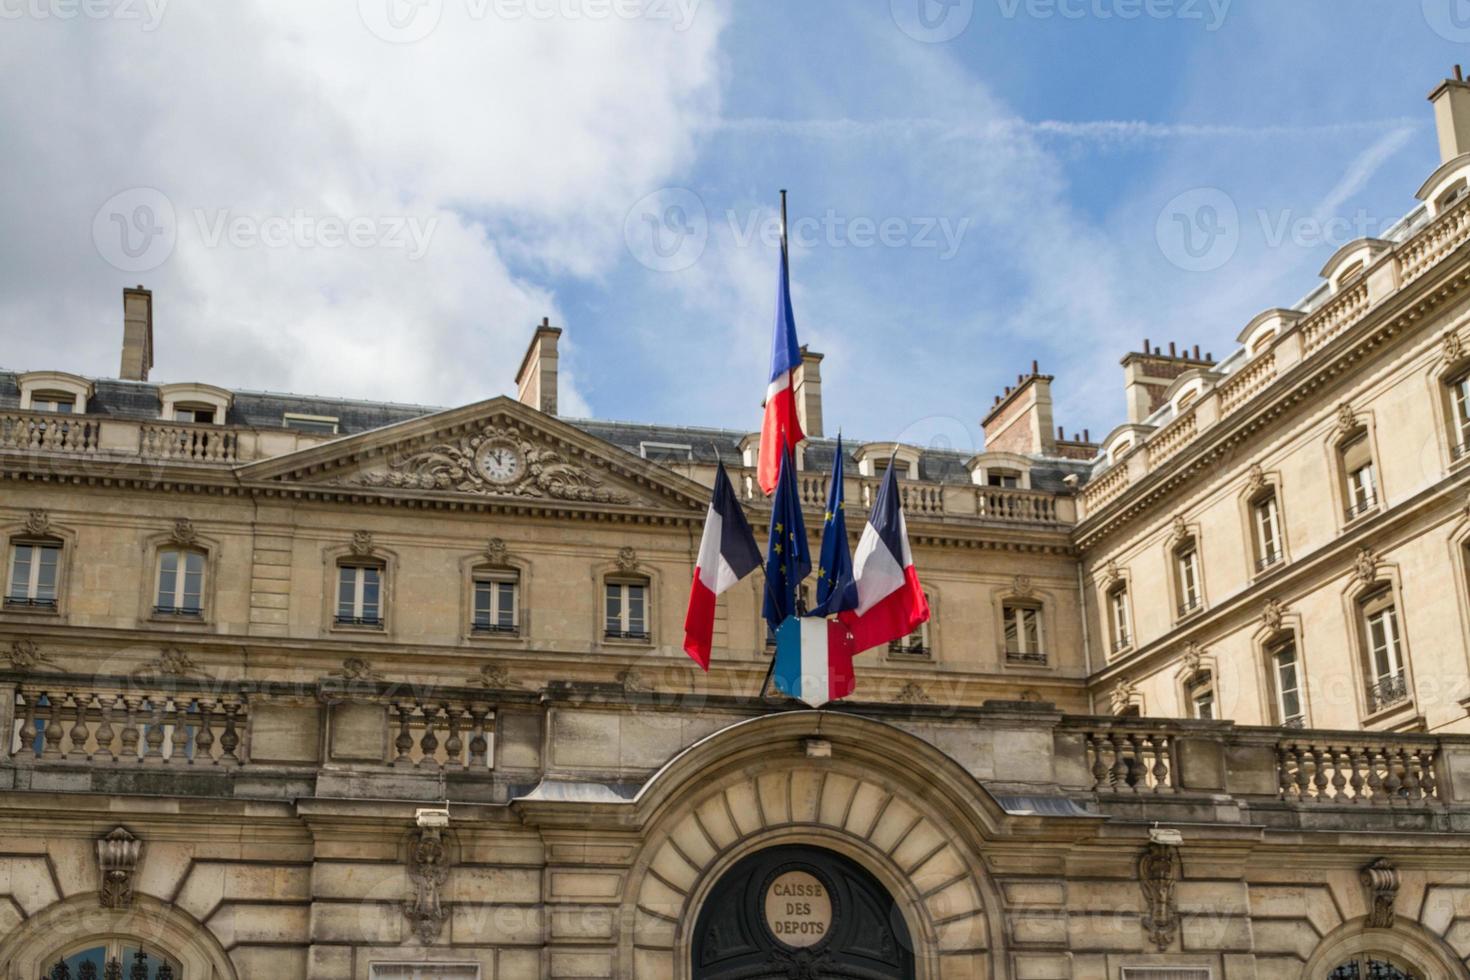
<point>500,462</point>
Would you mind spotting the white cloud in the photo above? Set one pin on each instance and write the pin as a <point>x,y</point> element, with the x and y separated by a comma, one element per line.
<point>516,142</point>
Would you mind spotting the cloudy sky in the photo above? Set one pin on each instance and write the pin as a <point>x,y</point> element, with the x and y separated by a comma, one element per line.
<point>378,198</point>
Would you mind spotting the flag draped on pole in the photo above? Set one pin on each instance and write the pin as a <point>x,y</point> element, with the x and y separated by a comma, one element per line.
<point>727,553</point>
<point>836,590</point>
<point>780,428</point>
<point>814,660</point>
<point>788,557</point>
<point>891,602</point>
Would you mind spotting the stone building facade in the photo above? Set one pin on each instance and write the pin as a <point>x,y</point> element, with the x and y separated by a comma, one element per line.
<point>309,687</point>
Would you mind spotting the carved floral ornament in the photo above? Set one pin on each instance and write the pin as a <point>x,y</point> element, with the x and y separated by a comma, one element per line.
<point>1256,480</point>
<point>1347,419</point>
<point>495,677</point>
<point>1113,573</point>
<point>627,560</point>
<point>1122,696</point>
<point>26,655</point>
<point>38,522</point>
<point>1158,872</point>
<point>1273,614</point>
<point>173,662</point>
<point>183,532</point>
<point>914,693</point>
<point>1194,656</point>
<point>428,869</point>
<point>1180,529</point>
<point>1454,347</point>
<point>1021,586</point>
<point>496,552</point>
<point>496,460</point>
<point>362,544</point>
<point>1381,880</point>
<point>357,669</point>
<point>118,856</point>
<point>1365,566</point>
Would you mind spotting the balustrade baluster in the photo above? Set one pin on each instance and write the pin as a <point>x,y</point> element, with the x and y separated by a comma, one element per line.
<point>1411,778</point>
<point>1137,773</point>
<point>1303,776</point>
<point>1392,782</point>
<point>1099,771</point>
<point>79,728</point>
<point>454,745</point>
<point>1119,768</point>
<point>179,751</point>
<point>1320,759</point>
<point>1161,746</point>
<point>1339,777</point>
<point>230,738</point>
<point>130,730</point>
<point>404,742</point>
<point>1357,762</point>
<point>204,741</point>
<point>1284,762</point>
<point>1375,778</point>
<point>104,728</point>
<point>153,732</point>
<point>429,742</point>
<point>52,747</point>
<point>27,744</point>
<point>1427,783</point>
<point>479,744</point>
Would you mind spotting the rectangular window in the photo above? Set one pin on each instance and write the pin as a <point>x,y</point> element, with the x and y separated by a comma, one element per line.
<point>180,583</point>
<point>324,424</point>
<point>200,415</point>
<point>1385,653</point>
<point>63,404</point>
<point>1362,485</point>
<point>360,595</point>
<point>1268,532</point>
<point>1122,626</point>
<point>1188,569</point>
<point>33,572</point>
<point>1002,479</point>
<point>1460,406</point>
<point>626,607</point>
<point>916,644</point>
<point>1202,697</point>
<point>1023,633</point>
<point>496,603</point>
<point>1288,684</point>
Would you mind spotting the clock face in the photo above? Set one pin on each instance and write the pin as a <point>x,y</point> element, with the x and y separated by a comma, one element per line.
<point>500,462</point>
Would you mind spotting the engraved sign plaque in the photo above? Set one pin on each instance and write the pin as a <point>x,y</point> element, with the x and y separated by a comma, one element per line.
<point>798,909</point>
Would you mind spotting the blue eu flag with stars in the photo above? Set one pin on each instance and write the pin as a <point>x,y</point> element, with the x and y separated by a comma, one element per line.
<point>836,587</point>
<point>788,557</point>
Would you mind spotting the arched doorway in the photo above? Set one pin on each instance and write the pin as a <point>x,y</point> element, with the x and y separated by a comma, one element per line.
<point>111,959</point>
<point>1373,967</point>
<point>797,911</point>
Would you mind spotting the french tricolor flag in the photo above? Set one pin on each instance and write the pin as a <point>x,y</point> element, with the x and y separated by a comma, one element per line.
<point>727,553</point>
<point>780,428</point>
<point>813,660</point>
<point>891,602</point>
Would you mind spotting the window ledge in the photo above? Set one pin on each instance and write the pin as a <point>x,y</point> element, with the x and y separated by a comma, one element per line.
<point>191,621</point>
<point>496,636</point>
<point>1185,615</point>
<point>643,643</point>
<point>1266,571</point>
<point>1395,716</point>
<point>378,629</point>
<point>1010,662</point>
<point>43,612</point>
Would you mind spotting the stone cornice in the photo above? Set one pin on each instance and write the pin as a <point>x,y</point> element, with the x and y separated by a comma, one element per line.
<point>1397,314</point>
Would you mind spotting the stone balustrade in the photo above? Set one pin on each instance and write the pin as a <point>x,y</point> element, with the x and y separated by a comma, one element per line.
<point>57,723</point>
<point>448,734</point>
<point>937,500</point>
<point>1361,770</point>
<point>110,438</point>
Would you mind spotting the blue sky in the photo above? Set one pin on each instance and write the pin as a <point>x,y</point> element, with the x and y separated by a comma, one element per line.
<point>1025,171</point>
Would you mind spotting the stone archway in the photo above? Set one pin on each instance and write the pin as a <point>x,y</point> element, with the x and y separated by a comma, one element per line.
<point>1407,948</point>
<point>892,804</point>
<point>800,910</point>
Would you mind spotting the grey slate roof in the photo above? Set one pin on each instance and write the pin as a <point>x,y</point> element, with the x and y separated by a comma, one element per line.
<point>661,443</point>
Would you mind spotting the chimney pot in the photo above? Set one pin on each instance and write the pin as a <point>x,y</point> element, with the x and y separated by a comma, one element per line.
<point>1171,349</point>
<point>1196,352</point>
<point>137,347</point>
<point>808,388</point>
<point>1145,345</point>
<point>1459,74</point>
<point>1035,368</point>
<point>1086,435</point>
<point>536,383</point>
<point>1451,100</point>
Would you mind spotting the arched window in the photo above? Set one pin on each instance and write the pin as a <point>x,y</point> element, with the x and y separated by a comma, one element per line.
<point>1370,967</point>
<point>112,960</point>
<point>180,583</point>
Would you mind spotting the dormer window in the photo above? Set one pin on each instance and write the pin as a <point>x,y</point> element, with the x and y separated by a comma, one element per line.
<point>1186,399</point>
<point>1262,343</point>
<point>1003,478</point>
<point>54,401</point>
<point>54,391</point>
<point>202,414</point>
<point>196,404</point>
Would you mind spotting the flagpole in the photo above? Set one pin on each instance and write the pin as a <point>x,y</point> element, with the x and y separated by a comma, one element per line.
<point>784,250</point>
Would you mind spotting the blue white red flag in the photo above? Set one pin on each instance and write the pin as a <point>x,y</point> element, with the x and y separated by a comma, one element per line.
<point>780,428</point>
<point>891,602</point>
<point>727,553</point>
<point>813,660</point>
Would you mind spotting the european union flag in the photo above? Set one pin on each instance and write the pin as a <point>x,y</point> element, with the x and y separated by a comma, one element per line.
<point>836,588</point>
<point>788,557</point>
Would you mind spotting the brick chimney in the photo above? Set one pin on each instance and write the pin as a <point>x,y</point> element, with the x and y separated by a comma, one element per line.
<point>809,393</point>
<point>1020,421</point>
<point>137,348</point>
<point>536,380</point>
<point>1147,375</point>
<point>1452,115</point>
